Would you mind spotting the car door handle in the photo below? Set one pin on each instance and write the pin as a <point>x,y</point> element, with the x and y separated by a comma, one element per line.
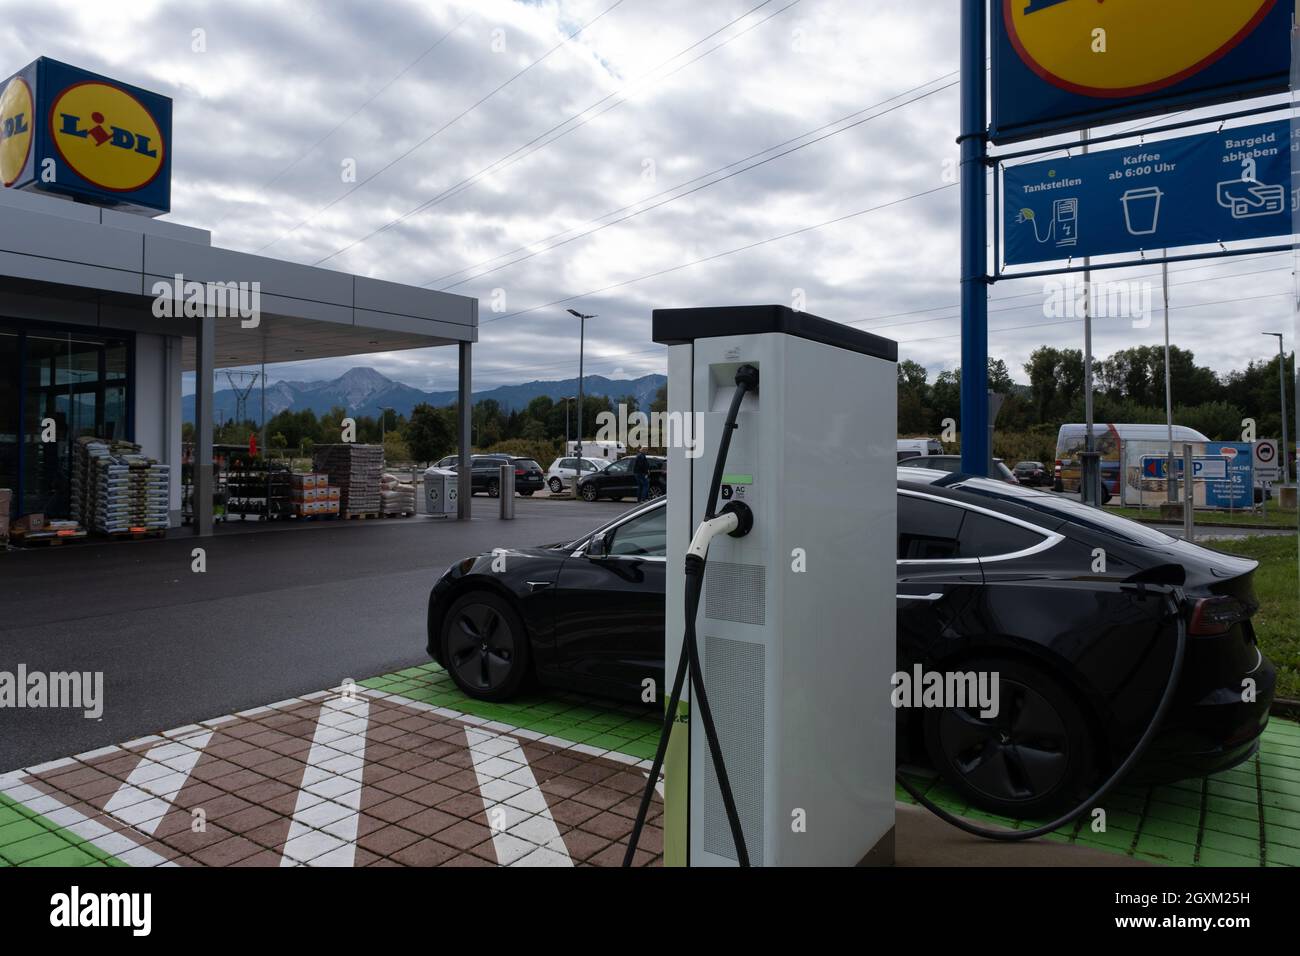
<point>538,585</point>
<point>920,597</point>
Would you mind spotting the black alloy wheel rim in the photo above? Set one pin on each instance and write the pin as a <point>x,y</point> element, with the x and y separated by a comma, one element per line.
<point>481,646</point>
<point>1021,754</point>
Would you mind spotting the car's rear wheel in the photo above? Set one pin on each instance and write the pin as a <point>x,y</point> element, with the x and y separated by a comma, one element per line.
<point>484,646</point>
<point>494,489</point>
<point>1029,759</point>
<point>588,493</point>
<point>656,491</point>
<point>556,486</point>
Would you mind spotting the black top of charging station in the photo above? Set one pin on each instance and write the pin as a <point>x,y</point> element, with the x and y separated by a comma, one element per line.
<point>682,326</point>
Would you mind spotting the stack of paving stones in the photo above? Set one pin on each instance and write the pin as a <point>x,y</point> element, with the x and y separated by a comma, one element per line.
<point>117,489</point>
<point>355,470</point>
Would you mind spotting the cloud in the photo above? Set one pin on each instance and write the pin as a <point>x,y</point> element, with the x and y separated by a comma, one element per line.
<point>258,159</point>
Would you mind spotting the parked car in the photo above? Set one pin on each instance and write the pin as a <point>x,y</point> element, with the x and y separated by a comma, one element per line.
<point>991,578</point>
<point>617,481</point>
<point>1032,473</point>
<point>564,471</point>
<point>911,447</point>
<point>485,473</point>
<point>952,463</point>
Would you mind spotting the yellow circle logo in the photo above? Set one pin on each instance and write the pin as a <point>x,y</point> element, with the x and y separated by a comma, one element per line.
<point>1119,48</point>
<point>107,136</point>
<point>15,129</point>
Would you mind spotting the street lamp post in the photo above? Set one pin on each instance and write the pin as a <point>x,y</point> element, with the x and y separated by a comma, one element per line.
<point>1281,381</point>
<point>582,335</point>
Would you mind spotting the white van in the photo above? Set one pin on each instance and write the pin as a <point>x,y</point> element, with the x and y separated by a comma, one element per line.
<point>608,450</point>
<point>1107,439</point>
<point>914,447</point>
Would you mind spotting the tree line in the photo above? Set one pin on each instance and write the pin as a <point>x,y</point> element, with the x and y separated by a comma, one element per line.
<point>1128,386</point>
<point>429,433</point>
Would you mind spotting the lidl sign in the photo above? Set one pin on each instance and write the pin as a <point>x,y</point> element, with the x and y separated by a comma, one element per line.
<point>65,130</point>
<point>1062,65</point>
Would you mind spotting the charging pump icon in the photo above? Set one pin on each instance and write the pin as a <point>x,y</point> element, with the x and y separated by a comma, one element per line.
<point>1064,227</point>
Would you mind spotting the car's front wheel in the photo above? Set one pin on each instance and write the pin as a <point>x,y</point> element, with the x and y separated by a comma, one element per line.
<point>588,492</point>
<point>1026,760</point>
<point>484,646</point>
<point>556,486</point>
<point>494,489</point>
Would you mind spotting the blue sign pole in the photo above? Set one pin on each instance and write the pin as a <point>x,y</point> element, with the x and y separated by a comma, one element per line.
<point>975,451</point>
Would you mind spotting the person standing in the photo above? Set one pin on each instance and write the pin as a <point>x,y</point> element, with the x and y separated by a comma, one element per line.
<point>641,469</point>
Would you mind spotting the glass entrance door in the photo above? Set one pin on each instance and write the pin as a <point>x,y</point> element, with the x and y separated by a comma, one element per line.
<point>56,387</point>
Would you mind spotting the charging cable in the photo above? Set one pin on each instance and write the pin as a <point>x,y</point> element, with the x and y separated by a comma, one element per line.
<point>1162,709</point>
<point>736,520</point>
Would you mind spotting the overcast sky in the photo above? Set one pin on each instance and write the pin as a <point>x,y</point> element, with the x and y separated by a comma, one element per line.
<point>657,94</point>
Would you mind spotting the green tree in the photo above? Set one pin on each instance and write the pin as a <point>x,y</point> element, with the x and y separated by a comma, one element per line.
<point>428,435</point>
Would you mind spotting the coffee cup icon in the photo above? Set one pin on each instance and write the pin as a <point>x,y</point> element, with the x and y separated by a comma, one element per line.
<point>1142,210</point>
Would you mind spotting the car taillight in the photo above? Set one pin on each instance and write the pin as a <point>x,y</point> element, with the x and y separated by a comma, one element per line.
<point>1218,615</point>
<point>519,472</point>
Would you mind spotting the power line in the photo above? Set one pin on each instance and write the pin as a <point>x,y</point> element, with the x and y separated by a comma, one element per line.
<point>1024,295</point>
<point>949,318</point>
<point>1043,325</point>
<point>729,252</point>
<point>702,186</point>
<point>509,159</point>
<point>351,116</point>
<point>681,185</point>
<point>444,126</point>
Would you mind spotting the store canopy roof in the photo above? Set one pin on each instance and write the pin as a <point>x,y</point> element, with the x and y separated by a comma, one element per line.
<point>77,264</point>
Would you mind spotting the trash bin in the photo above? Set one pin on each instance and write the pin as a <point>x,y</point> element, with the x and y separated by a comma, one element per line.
<point>440,492</point>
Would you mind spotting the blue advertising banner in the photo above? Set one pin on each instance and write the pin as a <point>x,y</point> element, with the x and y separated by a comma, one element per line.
<point>1062,65</point>
<point>1226,469</point>
<point>1223,186</point>
<point>1237,490</point>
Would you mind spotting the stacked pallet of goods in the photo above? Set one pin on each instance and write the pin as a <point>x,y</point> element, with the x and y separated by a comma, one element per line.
<point>354,470</point>
<point>313,496</point>
<point>118,490</point>
<point>396,497</point>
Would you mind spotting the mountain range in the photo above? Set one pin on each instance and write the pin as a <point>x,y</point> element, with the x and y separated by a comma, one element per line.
<point>364,391</point>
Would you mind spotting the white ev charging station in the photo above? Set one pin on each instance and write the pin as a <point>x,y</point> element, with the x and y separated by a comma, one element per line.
<point>795,621</point>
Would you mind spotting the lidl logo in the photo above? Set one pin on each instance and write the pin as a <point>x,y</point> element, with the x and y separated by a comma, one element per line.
<point>15,129</point>
<point>107,136</point>
<point>1123,48</point>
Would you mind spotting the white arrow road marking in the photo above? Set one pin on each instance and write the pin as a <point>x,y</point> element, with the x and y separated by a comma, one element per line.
<point>147,794</point>
<point>334,770</point>
<point>523,831</point>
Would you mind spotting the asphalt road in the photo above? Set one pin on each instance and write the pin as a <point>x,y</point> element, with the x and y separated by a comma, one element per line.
<point>282,610</point>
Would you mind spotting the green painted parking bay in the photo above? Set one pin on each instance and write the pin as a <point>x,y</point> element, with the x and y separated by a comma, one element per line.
<point>1247,816</point>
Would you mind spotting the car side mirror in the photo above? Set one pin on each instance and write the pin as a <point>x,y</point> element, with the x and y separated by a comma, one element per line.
<point>596,546</point>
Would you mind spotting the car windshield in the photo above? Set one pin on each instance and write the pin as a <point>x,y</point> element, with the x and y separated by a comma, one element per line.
<point>576,542</point>
<point>1057,506</point>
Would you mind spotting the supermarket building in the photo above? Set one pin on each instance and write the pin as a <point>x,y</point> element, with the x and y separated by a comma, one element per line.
<point>87,343</point>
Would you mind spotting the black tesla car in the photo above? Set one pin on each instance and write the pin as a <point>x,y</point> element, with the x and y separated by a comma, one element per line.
<point>991,578</point>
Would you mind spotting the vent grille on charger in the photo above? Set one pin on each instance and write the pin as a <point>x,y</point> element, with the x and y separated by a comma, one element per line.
<point>735,592</point>
<point>734,676</point>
